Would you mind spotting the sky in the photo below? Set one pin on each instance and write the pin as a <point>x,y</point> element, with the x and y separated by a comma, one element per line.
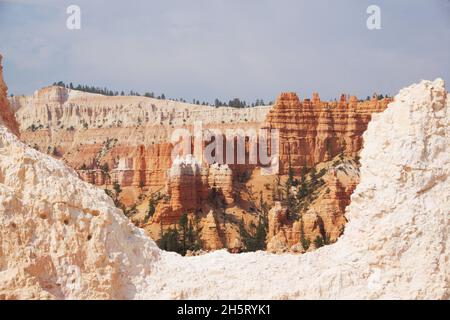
<point>207,49</point>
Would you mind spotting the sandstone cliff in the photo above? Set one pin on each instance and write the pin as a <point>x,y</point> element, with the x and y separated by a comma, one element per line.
<point>58,107</point>
<point>6,112</point>
<point>126,140</point>
<point>129,134</point>
<point>313,131</point>
<point>321,215</point>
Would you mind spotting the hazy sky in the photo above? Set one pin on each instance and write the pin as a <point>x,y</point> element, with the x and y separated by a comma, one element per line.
<point>226,48</point>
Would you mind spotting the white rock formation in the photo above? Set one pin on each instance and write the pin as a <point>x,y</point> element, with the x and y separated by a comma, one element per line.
<point>58,106</point>
<point>63,238</point>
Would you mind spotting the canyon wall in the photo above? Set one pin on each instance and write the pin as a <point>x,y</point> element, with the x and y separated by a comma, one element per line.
<point>59,107</point>
<point>6,113</point>
<point>313,131</point>
<point>127,140</point>
<point>130,134</point>
<point>324,217</point>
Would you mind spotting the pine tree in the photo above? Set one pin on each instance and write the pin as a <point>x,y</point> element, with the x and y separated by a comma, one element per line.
<point>319,242</point>
<point>190,236</point>
<point>151,209</point>
<point>305,242</point>
<point>183,223</point>
<point>170,240</point>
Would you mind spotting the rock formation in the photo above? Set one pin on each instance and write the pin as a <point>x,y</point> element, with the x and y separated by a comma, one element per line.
<point>395,245</point>
<point>185,184</point>
<point>127,140</point>
<point>321,215</point>
<point>314,131</point>
<point>63,238</point>
<point>128,135</point>
<point>211,233</point>
<point>59,107</point>
<point>192,188</point>
<point>6,113</point>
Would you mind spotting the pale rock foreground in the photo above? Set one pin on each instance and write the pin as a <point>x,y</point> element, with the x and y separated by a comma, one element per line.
<point>63,238</point>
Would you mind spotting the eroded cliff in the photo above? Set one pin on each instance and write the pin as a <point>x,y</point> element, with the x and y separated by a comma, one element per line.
<point>6,112</point>
<point>126,141</point>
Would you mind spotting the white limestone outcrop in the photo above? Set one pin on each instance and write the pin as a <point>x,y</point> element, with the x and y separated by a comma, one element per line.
<point>61,237</point>
<point>61,107</point>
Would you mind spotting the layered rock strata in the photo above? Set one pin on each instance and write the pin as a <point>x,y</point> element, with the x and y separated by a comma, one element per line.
<point>126,140</point>
<point>313,131</point>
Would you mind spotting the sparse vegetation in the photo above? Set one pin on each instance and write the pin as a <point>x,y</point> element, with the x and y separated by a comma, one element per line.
<point>233,103</point>
<point>187,239</point>
<point>152,203</point>
<point>253,239</point>
<point>216,198</point>
<point>303,240</point>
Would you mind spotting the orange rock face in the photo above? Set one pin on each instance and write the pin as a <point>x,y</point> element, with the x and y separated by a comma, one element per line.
<point>190,186</point>
<point>6,114</point>
<point>323,215</point>
<point>314,131</point>
<point>211,233</point>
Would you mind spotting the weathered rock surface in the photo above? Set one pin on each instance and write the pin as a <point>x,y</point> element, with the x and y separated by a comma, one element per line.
<point>61,237</point>
<point>61,107</point>
<point>130,135</point>
<point>6,112</point>
<point>192,188</point>
<point>324,217</point>
<point>315,131</point>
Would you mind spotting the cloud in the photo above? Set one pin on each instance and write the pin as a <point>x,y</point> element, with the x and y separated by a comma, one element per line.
<point>225,48</point>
